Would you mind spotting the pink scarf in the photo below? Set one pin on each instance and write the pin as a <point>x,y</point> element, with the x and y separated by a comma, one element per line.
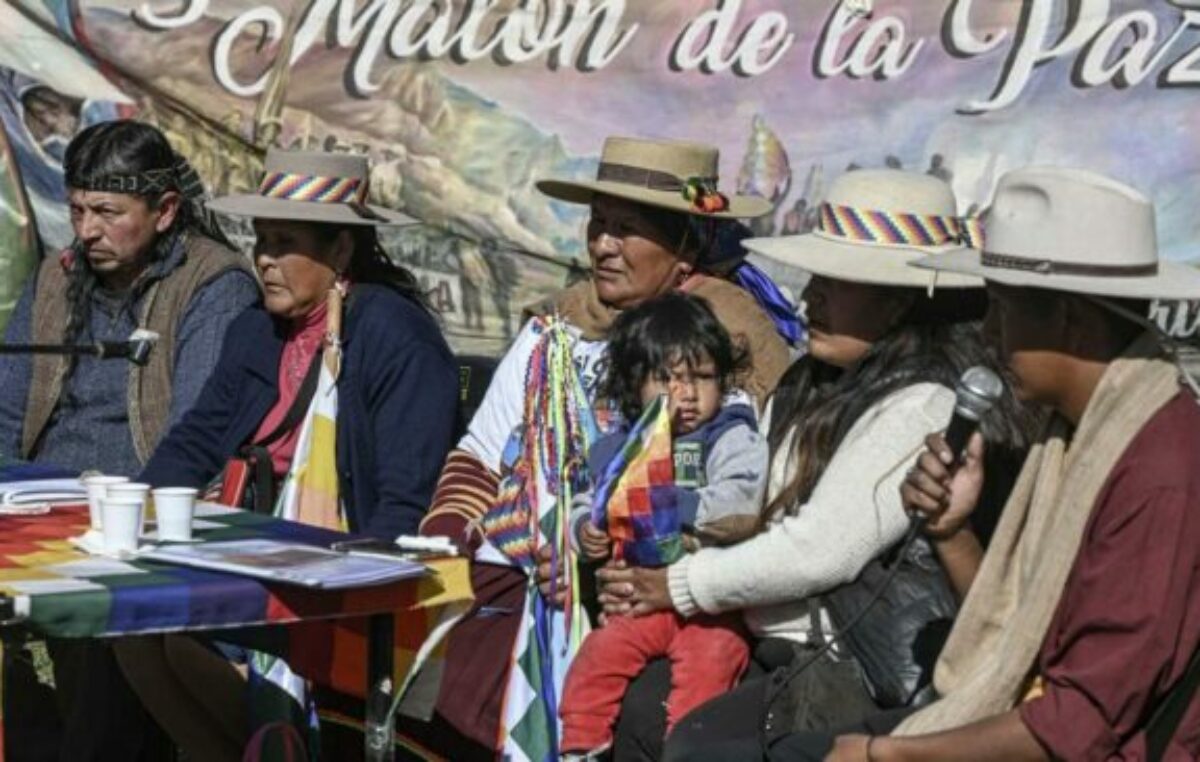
<point>299,348</point>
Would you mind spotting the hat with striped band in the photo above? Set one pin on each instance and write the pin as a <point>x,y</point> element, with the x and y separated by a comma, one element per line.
<point>311,187</point>
<point>872,224</point>
<point>1072,230</point>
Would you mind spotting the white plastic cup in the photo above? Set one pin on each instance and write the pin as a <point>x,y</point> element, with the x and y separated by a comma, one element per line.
<point>97,489</point>
<point>128,489</point>
<point>174,508</point>
<point>122,522</point>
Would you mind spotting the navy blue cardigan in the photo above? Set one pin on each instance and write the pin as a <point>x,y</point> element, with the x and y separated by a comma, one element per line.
<point>397,404</point>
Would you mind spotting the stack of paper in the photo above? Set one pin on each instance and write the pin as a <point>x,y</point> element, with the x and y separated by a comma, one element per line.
<point>39,495</point>
<point>288,562</point>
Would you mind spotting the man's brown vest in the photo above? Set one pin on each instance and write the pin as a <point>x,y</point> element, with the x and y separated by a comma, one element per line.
<point>163,306</point>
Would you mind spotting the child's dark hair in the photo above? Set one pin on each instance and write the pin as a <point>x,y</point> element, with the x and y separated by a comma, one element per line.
<point>647,340</point>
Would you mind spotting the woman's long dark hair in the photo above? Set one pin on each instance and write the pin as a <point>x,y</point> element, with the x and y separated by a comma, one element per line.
<point>932,344</point>
<point>369,263</point>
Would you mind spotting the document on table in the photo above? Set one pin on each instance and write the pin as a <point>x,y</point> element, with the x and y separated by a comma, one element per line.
<point>288,562</point>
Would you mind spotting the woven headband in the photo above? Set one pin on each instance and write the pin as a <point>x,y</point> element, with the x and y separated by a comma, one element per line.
<point>899,228</point>
<point>701,192</point>
<point>181,176</point>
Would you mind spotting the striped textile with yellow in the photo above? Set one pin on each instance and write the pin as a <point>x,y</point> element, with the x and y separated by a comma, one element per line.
<point>310,489</point>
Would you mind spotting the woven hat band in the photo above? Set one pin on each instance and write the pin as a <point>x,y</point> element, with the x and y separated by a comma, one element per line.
<point>1051,267</point>
<point>899,228</point>
<point>313,188</point>
<point>700,192</point>
<point>644,178</point>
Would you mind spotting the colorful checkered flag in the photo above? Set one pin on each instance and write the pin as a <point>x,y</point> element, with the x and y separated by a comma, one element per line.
<point>635,499</point>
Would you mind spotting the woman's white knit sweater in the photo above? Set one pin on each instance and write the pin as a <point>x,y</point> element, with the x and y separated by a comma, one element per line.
<point>853,515</point>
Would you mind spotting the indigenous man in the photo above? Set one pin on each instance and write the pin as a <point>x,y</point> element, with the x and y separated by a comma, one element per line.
<point>144,256</point>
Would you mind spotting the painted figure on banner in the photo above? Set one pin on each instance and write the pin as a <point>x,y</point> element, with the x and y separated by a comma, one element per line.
<point>765,172</point>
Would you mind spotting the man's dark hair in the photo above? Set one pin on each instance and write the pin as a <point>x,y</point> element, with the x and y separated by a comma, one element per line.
<point>118,148</point>
<point>646,341</point>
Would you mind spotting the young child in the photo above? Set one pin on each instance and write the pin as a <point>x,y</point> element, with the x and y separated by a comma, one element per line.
<point>669,351</point>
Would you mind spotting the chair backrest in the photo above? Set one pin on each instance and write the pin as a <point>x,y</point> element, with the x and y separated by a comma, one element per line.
<point>1163,723</point>
<point>474,376</point>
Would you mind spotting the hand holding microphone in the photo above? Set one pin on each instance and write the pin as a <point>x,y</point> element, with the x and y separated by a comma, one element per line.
<point>942,488</point>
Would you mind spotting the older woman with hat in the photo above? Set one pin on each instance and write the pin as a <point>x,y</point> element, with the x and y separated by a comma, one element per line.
<point>848,419</point>
<point>397,384</point>
<point>656,218</point>
<point>337,308</point>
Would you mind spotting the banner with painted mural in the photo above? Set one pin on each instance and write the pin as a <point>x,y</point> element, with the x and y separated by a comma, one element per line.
<point>464,104</point>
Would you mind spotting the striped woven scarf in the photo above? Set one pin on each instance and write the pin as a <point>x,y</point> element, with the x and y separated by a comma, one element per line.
<point>310,489</point>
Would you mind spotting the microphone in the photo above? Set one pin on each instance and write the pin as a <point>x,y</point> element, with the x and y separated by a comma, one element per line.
<point>976,392</point>
<point>136,348</point>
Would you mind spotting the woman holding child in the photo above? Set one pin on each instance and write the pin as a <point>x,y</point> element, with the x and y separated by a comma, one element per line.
<point>672,370</point>
<point>847,422</point>
<point>656,216</point>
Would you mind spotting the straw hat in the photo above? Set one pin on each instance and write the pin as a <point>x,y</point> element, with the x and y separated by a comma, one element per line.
<point>1071,230</point>
<point>872,224</point>
<point>311,187</point>
<point>665,174</point>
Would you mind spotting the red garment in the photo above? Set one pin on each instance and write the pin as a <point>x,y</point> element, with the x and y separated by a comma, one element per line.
<point>304,338</point>
<point>708,654</point>
<point>1129,619</point>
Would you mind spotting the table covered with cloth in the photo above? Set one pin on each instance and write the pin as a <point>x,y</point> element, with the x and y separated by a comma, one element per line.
<point>53,589</point>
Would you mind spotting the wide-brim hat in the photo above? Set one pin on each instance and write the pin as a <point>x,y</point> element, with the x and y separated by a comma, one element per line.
<point>873,224</point>
<point>1072,230</point>
<point>312,186</point>
<point>665,174</point>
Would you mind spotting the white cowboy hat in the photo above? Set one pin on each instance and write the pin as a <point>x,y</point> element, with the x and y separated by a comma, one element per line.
<point>872,224</point>
<point>1071,230</point>
<point>311,186</point>
<point>665,174</point>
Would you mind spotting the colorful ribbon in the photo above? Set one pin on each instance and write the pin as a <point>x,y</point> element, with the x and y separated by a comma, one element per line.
<point>531,512</point>
<point>314,188</point>
<point>778,307</point>
<point>899,228</point>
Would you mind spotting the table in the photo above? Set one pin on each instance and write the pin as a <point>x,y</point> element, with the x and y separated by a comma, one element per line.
<point>52,589</point>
